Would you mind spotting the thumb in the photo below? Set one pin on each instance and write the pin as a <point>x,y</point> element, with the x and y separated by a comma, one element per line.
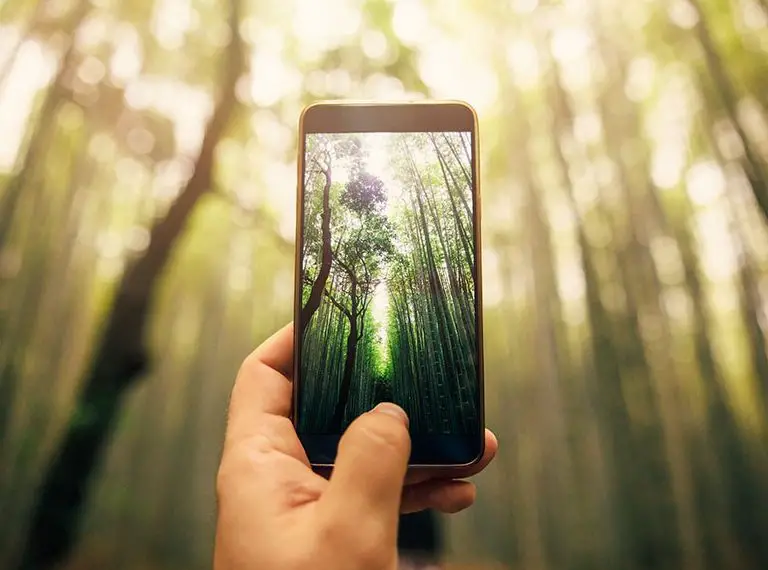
<point>372,460</point>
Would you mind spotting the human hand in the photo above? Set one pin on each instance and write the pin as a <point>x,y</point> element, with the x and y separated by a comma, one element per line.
<point>275,512</point>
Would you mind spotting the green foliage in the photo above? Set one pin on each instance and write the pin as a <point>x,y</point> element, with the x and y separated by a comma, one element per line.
<point>381,248</point>
<point>364,193</point>
<point>624,258</point>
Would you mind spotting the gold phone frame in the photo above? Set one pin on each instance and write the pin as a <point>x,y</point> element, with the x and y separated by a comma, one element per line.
<point>477,235</point>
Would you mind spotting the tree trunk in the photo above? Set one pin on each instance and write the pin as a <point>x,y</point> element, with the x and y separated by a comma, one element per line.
<point>617,359</point>
<point>121,356</point>
<point>10,60</point>
<point>741,468</point>
<point>464,172</point>
<point>316,294</point>
<point>719,447</point>
<point>447,167</point>
<point>462,317</point>
<point>465,147</point>
<point>758,181</point>
<point>442,399</point>
<point>452,365</point>
<point>349,362</point>
<point>177,510</point>
<point>46,123</point>
<point>468,251</point>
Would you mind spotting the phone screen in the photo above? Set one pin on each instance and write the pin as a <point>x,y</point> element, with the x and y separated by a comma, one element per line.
<point>388,281</point>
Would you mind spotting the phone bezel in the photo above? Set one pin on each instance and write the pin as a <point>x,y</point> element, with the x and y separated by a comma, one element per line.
<point>428,451</point>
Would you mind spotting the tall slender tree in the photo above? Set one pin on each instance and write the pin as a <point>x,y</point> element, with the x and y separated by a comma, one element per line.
<point>121,356</point>
<point>753,166</point>
<point>41,136</point>
<point>318,285</point>
<point>360,258</point>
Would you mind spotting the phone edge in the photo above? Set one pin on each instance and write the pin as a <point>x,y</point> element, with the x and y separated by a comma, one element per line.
<point>478,259</point>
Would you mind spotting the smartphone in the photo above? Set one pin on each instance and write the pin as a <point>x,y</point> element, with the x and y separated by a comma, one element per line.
<point>388,276</point>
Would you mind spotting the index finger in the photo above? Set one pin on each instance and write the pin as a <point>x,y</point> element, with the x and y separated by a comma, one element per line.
<point>263,385</point>
<point>277,351</point>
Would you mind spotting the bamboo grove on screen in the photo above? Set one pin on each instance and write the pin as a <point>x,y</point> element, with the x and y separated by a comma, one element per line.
<point>388,308</point>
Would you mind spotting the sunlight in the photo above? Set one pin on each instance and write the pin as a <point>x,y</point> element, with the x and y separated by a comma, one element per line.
<point>380,86</point>
<point>571,285</point>
<point>380,314</point>
<point>379,164</point>
<point>588,127</point>
<point>374,44</point>
<point>717,253</point>
<point>640,79</point>
<point>753,16</point>
<point>93,31</point>
<point>682,13</point>
<point>267,127</point>
<point>340,172</point>
<point>637,14</point>
<point>570,281</point>
<point>440,64</point>
<point>570,44</point>
<point>705,182</point>
<point>168,177</point>
<point>410,21</point>
<point>452,70</point>
<point>126,60</point>
<point>130,173</point>
<point>339,82</point>
<point>668,124</point>
<point>677,304</point>
<point>91,70</point>
<point>523,60</point>
<point>188,107</point>
<point>271,78</point>
<point>321,26</point>
<point>524,6</point>
<point>667,165</point>
<point>9,37</point>
<point>171,21</point>
<point>754,121</point>
<point>570,47</point>
<point>32,70</point>
<point>137,239</point>
<point>276,177</point>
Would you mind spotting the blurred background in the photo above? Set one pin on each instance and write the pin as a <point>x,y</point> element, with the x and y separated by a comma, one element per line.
<point>147,204</point>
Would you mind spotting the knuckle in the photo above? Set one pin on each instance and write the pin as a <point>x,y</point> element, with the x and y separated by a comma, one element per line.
<point>281,425</point>
<point>250,364</point>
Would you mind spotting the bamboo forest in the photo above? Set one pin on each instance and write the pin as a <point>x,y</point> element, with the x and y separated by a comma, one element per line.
<point>148,172</point>
<point>388,271</point>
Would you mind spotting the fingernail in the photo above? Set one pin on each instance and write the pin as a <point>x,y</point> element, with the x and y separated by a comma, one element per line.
<point>393,410</point>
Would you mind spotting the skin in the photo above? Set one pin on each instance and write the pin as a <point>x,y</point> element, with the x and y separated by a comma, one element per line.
<point>275,512</point>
